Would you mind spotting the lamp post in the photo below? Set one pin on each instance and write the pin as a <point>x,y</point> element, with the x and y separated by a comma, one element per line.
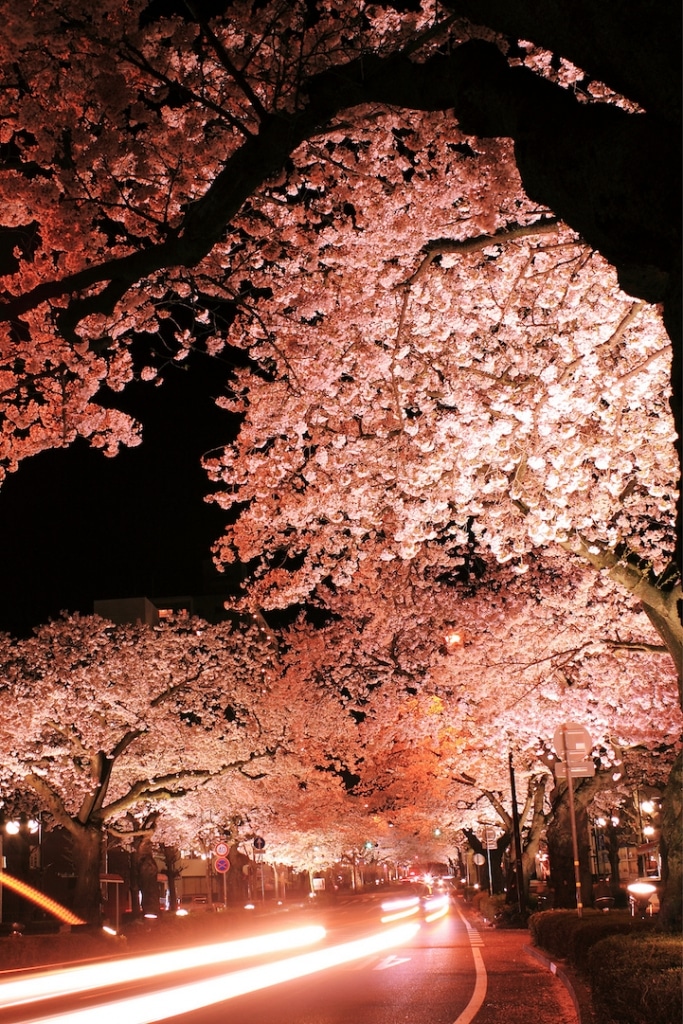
<point>28,833</point>
<point>641,893</point>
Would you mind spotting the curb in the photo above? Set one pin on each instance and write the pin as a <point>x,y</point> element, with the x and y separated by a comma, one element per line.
<point>580,999</point>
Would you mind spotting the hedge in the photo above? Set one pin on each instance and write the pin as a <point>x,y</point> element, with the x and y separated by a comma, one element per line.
<point>636,979</point>
<point>634,972</point>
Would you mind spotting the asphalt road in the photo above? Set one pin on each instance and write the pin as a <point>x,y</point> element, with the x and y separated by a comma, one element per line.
<point>444,971</point>
<point>429,980</point>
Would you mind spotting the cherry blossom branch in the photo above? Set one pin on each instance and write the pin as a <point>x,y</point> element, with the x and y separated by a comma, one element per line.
<point>661,605</point>
<point>226,61</point>
<point>52,802</point>
<point>442,247</point>
<point>138,60</point>
<point>568,654</point>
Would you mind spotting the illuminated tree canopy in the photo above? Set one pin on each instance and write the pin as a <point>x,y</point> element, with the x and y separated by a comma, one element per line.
<point>103,723</point>
<point>439,244</point>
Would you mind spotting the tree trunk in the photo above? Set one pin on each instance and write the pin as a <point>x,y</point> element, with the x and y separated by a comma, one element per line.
<point>496,855</point>
<point>237,884</point>
<point>561,853</point>
<point>670,913</point>
<point>86,846</point>
<point>494,858</point>
<point>146,873</point>
<point>171,856</point>
<point>612,844</point>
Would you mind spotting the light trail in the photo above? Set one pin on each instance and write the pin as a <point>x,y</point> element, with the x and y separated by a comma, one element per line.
<point>395,910</point>
<point>171,1002</point>
<point>40,899</point>
<point>436,907</point>
<point>118,972</point>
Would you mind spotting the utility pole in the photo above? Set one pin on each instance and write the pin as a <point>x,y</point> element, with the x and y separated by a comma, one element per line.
<point>519,874</point>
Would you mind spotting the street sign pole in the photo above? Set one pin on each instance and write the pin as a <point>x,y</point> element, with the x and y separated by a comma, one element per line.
<point>221,849</point>
<point>259,847</point>
<point>572,817</point>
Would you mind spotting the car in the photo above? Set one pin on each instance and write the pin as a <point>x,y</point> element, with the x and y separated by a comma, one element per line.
<point>197,903</point>
<point>418,899</point>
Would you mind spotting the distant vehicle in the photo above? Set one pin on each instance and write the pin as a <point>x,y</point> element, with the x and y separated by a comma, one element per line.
<point>196,904</point>
<point>416,899</point>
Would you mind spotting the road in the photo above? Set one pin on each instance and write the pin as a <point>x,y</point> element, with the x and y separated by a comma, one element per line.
<point>361,970</point>
<point>428,980</point>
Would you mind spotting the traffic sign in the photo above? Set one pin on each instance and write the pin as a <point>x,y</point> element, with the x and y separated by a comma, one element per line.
<point>572,742</point>
<point>222,864</point>
<point>221,849</point>
<point>577,771</point>
<point>259,843</point>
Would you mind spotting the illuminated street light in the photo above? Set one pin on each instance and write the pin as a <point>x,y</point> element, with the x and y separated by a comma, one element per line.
<point>641,894</point>
<point>12,827</point>
<point>453,639</point>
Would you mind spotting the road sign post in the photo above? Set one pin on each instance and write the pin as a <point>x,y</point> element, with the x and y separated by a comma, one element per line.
<point>259,847</point>
<point>222,866</point>
<point>573,742</point>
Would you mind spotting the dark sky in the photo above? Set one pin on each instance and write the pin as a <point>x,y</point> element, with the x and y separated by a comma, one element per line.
<point>76,526</point>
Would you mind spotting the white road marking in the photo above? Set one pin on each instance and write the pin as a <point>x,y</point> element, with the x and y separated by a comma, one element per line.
<point>391,961</point>
<point>477,997</point>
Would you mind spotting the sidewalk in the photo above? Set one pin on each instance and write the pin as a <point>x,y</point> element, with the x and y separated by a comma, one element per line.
<point>524,986</point>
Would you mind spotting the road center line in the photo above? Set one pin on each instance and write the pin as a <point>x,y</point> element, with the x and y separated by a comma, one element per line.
<point>480,983</point>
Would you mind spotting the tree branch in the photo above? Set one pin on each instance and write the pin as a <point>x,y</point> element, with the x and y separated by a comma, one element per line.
<point>462,247</point>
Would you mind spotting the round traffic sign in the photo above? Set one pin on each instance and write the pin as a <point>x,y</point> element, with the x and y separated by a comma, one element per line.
<point>222,864</point>
<point>479,859</point>
<point>221,849</point>
<point>259,843</point>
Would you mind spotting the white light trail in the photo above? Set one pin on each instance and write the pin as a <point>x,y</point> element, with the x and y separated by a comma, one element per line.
<point>436,907</point>
<point>170,1002</point>
<point>118,972</point>
<point>399,908</point>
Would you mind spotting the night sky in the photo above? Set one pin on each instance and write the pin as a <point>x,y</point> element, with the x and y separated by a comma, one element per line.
<point>76,526</point>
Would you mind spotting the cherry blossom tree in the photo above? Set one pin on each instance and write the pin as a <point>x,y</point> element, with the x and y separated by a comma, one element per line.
<point>143,203</point>
<point>105,724</point>
<point>116,232</point>
<point>437,724</point>
<point>435,244</point>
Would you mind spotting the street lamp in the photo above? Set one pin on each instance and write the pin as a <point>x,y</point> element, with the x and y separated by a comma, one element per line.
<point>641,894</point>
<point>453,639</point>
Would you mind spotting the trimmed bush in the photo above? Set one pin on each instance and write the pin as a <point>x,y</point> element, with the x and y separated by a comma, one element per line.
<point>636,979</point>
<point>490,907</point>
<point>633,971</point>
<point>552,930</point>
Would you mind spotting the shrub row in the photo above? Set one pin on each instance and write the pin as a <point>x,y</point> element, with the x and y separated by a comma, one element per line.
<point>634,972</point>
<point>636,979</point>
